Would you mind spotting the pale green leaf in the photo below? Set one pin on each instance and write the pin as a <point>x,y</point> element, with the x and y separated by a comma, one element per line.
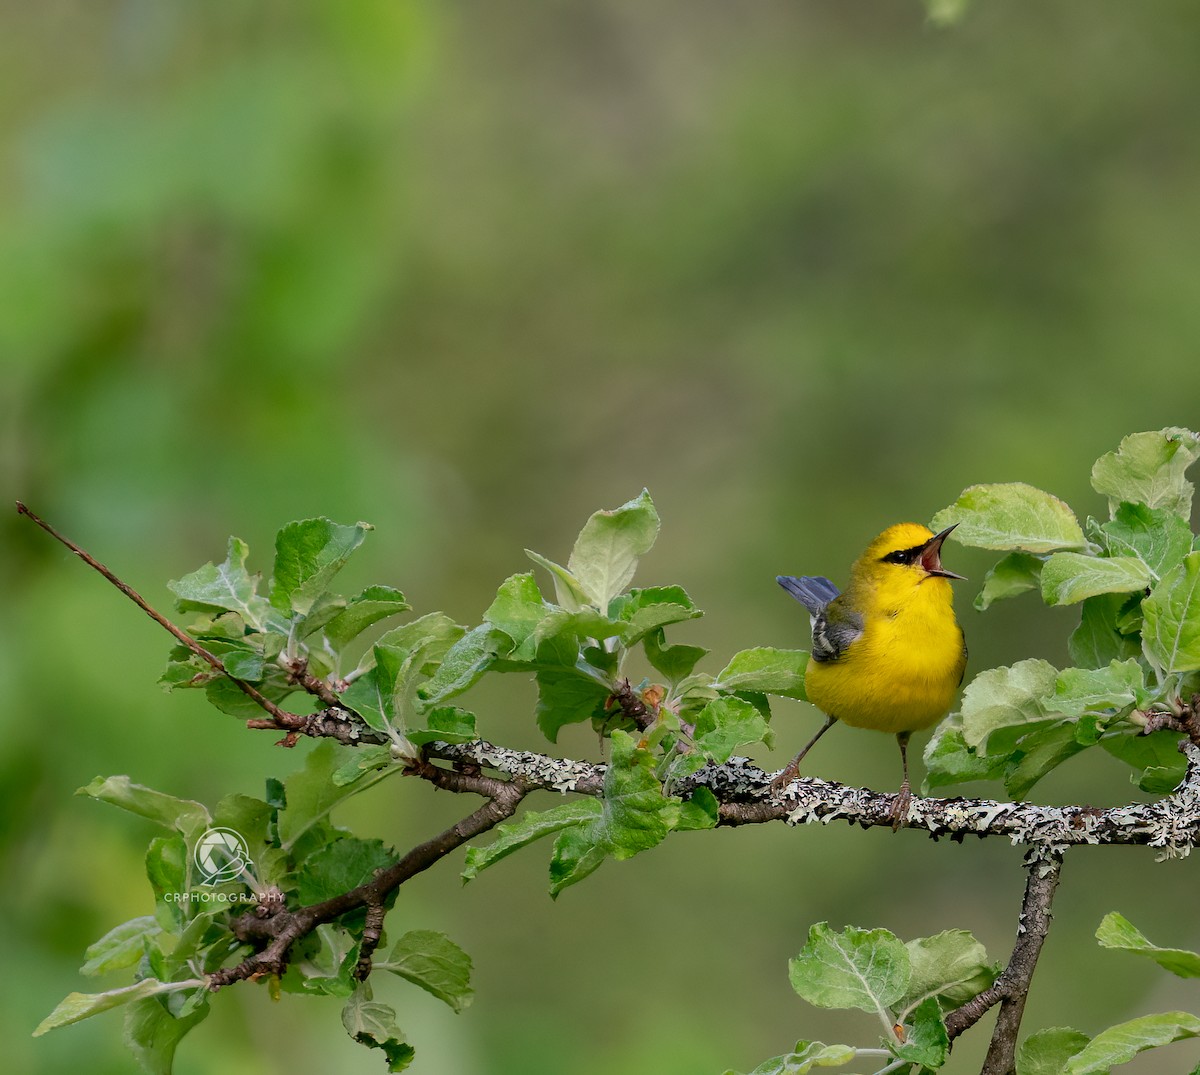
<point>1047,1051</point>
<point>434,962</point>
<point>1097,641</point>
<point>77,1006</point>
<point>1043,748</point>
<point>184,815</point>
<point>465,663</point>
<point>532,825</point>
<point>948,759</point>
<point>517,611</point>
<point>648,609</point>
<point>308,554</point>
<point>1121,1043</point>
<point>1090,690</point>
<point>1171,626</point>
<point>568,591</point>
<point>445,724</point>
<point>767,671</point>
<point>121,946</point>
<point>373,1024</point>
<point>1006,698</point>
<point>225,586</point>
<point>1116,931</point>
<point>1157,535</point>
<point>806,1056</point>
<point>726,724</point>
<point>926,1041</point>
<point>375,603</point>
<point>1012,516</point>
<point>674,662</point>
<point>1148,468</point>
<point>567,696</point>
<point>606,552</point>
<point>1070,577</point>
<point>952,966</point>
<point>856,968</point>
<point>152,1033</point>
<point>1015,574</point>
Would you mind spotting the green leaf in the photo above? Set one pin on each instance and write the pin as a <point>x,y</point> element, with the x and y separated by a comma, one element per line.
<point>566,696</point>
<point>446,724</point>
<point>927,1042</point>
<point>1156,756</point>
<point>1116,931</point>
<point>434,962</point>
<point>1121,1043</point>
<point>339,867</point>
<point>121,946</point>
<point>948,759</point>
<point>311,794</point>
<point>606,552</point>
<point>635,816</point>
<point>806,1056</point>
<point>674,662</point>
<point>1011,516</point>
<point>1083,690</point>
<point>366,759</point>
<point>1157,535</point>
<point>1047,1051</point>
<point>701,811</point>
<point>373,1024</point>
<point>726,724</point>
<point>567,589</point>
<point>152,1033</point>
<point>228,586</point>
<point>1037,753</point>
<point>532,825</point>
<point>951,966</point>
<point>183,815</point>
<point>1069,577</point>
<point>517,611</point>
<point>1006,698</point>
<point>308,554</point>
<point>77,1006</point>
<point>375,603</point>
<point>856,968</point>
<point>1013,575</point>
<point>649,609</point>
<point>465,663</point>
<point>1171,628</point>
<point>1148,468</point>
<point>1096,641</point>
<point>166,870</point>
<point>766,670</point>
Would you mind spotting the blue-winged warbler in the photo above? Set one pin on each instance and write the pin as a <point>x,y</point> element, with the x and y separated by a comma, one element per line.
<point>887,653</point>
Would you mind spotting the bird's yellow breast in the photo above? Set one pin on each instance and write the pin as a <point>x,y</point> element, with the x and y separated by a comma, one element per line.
<point>902,672</point>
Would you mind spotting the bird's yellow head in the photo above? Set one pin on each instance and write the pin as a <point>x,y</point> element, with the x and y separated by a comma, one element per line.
<point>910,548</point>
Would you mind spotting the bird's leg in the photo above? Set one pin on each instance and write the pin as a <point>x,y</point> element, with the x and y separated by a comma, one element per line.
<point>792,771</point>
<point>899,811</point>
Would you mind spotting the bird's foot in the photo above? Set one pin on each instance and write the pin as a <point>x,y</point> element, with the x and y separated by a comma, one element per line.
<point>898,814</point>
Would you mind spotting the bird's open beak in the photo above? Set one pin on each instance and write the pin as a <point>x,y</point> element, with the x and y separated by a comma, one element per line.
<point>931,556</point>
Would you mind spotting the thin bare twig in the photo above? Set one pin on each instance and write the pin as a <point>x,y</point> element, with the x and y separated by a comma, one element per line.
<point>1044,865</point>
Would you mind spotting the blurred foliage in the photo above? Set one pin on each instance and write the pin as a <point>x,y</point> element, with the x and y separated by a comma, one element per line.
<point>467,272</point>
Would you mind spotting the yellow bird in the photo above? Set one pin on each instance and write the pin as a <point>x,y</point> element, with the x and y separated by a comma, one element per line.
<point>888,653</point>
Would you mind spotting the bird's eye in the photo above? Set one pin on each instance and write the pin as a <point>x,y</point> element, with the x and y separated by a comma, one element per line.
<point>901,556</point>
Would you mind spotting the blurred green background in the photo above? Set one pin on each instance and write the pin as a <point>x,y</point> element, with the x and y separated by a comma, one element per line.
<point>472,271</point>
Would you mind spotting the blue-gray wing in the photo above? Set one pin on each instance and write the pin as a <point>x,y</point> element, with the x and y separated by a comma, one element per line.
<point>813,592</point>
<point>831,634</point>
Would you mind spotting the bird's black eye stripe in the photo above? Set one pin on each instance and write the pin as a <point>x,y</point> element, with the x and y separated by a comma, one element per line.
<point>903,556</point>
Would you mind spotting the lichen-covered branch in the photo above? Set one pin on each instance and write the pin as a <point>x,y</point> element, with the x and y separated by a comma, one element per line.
<point>1011,989</point>
<point>743,790</point>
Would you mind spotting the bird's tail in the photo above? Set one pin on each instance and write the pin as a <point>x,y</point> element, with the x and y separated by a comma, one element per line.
<point>814,593</point>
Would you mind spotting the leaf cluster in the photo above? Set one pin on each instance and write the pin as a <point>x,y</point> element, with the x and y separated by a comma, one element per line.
<point>1135,576</point>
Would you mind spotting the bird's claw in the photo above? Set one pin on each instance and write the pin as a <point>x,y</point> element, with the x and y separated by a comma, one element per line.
<point>898,814</point>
